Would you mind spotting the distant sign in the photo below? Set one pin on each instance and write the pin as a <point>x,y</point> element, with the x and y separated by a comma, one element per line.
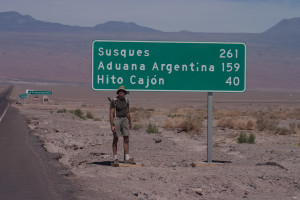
<point>34,92</point>
<point>23,96</point>
<point>169,66</point>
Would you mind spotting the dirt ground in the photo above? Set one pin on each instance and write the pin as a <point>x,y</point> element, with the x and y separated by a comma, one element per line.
<point>267,169</point>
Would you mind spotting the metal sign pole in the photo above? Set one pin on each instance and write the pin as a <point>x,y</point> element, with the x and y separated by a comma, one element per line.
<point>209,127</point>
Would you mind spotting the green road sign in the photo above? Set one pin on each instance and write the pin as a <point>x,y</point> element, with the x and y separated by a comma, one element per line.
<point>23,96</point>
<point>169,66</point>
<point>33,92</point>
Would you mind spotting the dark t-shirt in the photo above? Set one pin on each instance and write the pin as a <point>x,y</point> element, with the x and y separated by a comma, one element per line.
<point>121,106</point>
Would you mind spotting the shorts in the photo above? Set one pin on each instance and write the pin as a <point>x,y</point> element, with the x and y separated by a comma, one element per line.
<point>122,126</point>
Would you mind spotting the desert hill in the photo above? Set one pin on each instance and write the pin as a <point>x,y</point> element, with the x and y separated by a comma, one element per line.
<point>34,50</point>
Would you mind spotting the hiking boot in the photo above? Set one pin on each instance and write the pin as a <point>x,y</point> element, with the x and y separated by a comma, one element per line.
<point>130,161</point>
<point>116,163</point>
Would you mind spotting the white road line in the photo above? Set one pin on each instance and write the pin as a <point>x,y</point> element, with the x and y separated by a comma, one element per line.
<point>4,112</point>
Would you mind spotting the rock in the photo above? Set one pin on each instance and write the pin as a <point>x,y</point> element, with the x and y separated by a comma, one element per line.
<point>157,140</point>
<point>173,164</point>
<point>198,191</point>
<point>55,130</point>
<point>32,127</point>
<point>135,193</point>
<point>75,147</point>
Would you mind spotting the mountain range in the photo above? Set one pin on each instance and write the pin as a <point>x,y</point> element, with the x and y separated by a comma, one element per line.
<point>34,50</point>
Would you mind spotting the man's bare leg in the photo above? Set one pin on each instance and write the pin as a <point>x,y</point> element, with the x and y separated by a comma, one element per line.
<point>115,146</point>
<point>126,144</point>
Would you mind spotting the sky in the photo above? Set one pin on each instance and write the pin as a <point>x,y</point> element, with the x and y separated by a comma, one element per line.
<point>216,16</point>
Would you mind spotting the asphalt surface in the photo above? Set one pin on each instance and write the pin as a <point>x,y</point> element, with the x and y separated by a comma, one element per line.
<point>4,102</point>
<point>27,171</point>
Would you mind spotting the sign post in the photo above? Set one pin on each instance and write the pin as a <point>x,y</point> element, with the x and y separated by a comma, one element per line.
<point>170,66</point>
<point>209,127</point>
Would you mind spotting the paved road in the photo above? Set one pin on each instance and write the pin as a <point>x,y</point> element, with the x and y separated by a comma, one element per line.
<point>26,171</point>
<point>3,102</point>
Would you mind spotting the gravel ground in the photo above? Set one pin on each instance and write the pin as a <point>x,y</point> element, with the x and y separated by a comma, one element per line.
<point>268,169</point>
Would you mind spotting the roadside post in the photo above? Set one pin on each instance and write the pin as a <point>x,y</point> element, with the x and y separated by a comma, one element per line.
<point>170,67</point>
<point>209,127</point>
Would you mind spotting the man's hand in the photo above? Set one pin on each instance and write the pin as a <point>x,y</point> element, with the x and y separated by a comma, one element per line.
<point>113,129</point>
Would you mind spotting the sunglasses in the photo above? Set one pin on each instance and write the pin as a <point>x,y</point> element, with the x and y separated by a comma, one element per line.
<point>122,91</point>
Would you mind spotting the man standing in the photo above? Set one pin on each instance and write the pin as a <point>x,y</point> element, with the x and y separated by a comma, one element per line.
<point>120,122</point>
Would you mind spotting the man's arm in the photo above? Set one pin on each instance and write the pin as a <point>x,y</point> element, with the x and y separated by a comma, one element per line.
<point>111,119</point>
<point>129,118</point>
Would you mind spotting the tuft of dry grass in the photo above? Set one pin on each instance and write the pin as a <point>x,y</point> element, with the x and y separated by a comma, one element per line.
<point>272,126</point>
<point>137,126</point>
<point>294,114</point>
<point>185,124</point>
<point>139,113</point>
<point>218,114</point>
<point>185,119</point>
<point>295,127</point>
<point>236,123</point>
<point>187,111</point>
<point>280,114</point>
<point>265,124</point>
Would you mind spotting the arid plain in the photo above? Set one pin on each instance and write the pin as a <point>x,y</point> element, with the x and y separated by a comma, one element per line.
<point>75,126</point>
<point>255,134</point>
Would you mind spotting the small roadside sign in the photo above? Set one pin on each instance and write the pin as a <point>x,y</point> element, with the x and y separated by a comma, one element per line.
<point>35,92</point>
<point>23,96</point>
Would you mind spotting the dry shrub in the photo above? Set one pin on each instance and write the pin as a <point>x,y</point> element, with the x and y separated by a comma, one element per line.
<point>134,109</point>
<point>264,124</point>
<point>236,123</point>
<point>138,114</point>
<point>252,113</point>
<point>282,131</point>
<point>188,111</point>
<point>218,114</point>
<point>186,124</point>
<point>294,127</point>
<point>271,126</point>
<point>185,119</point>
<point>295,114</point>
<point>281,114</point>
<point>137,126</point>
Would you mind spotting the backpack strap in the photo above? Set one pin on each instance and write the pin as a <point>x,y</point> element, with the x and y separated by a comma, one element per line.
<point>115,102</point>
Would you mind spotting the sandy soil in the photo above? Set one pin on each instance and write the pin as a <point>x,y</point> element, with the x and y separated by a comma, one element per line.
<point>268,169</point>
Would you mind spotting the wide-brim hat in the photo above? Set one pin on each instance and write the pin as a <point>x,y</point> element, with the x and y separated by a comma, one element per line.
<point>122,88</point>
